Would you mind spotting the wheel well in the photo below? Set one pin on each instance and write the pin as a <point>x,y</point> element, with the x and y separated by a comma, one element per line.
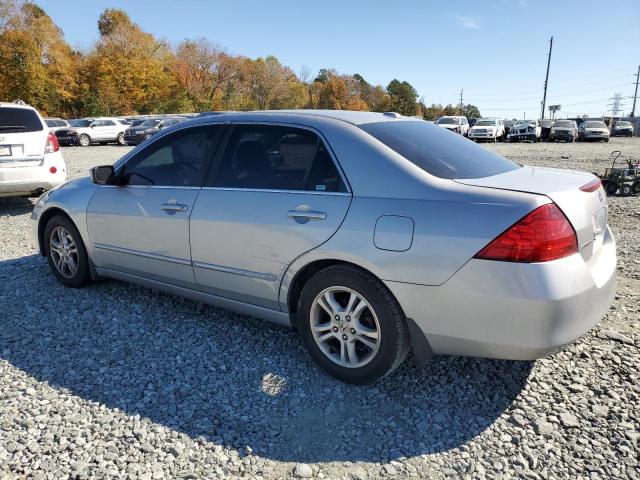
<point>42,224</point>
<point>309,271</point>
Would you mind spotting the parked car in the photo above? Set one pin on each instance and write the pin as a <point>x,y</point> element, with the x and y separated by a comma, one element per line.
<point>564,130</point>
<point>528,130</point>
<point>86,131</point>
<point>444,247</point>
<point>56,124</point>
<point>622,128</point>
<point>593,130</point>
<point>507,126</point>
<point>456,124</point>
<point>487,129</point>
<point>30,158</point>
<point>151,126</point>
<point>545,129</point>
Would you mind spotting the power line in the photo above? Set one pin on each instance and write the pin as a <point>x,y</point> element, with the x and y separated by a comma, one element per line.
<point>551,95</point>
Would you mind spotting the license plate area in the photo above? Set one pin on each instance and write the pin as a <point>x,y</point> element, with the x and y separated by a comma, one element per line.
<point>5,150</point>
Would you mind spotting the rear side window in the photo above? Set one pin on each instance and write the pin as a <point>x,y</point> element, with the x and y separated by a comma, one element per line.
<point>19,120</point>
<point>437,151</point>
<point>276,157</point>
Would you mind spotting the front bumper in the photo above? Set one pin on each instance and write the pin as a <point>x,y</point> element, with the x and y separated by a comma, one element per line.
<point>623,133</point>
<point>562,136</point>
<point>482,136</point>
<point>594,136</point>
<point>513,311</point>
<point>515,137</point>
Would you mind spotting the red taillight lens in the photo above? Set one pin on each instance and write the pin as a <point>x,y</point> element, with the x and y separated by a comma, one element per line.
<point>52,144</point>
<point>592,186</point>
<point>543,235</point>
<point>53,169</point>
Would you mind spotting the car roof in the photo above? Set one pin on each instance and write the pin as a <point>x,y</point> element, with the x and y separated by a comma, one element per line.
<point>294,116</point>
<point>16,105</point>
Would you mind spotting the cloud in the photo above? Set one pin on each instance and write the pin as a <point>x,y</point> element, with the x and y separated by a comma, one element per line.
<point>467,22</point>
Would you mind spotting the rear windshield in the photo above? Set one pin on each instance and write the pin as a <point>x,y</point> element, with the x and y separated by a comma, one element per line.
<point>438,151</point>
<point>19,120</point>
<point>447,121</point>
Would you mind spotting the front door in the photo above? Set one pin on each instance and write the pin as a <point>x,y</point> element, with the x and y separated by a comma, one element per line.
<point>141,225</point>
<point>275,195</point>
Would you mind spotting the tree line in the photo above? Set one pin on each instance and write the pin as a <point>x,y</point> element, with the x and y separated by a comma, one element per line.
<point>128,71</point>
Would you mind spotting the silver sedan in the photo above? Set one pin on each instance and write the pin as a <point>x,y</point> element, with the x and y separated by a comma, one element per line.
<point>368,233</point>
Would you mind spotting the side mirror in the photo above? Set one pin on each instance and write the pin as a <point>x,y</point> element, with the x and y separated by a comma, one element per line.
<point>102,175</point>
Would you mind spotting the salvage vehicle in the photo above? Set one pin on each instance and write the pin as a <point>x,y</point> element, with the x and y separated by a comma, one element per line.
<point>86,131</point>
<point>457,124</point>
<point>30,158</point>
<point>564,130</point>
<point>621,180</point>
<point>593,130</point>
<point>279,215</point>
<point>143,131</point>
<point>622,128</point>
<point>491,129</point>
<point>528,130</point>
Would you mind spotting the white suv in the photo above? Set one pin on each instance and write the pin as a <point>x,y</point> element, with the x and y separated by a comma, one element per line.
<point>456,124</point>
<point>85,131</point>
<point>487,129</point>
<point>30,158</point>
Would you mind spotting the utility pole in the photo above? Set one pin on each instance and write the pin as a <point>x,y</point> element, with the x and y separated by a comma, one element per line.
<point>461,104</point>
<point>635,95</point>
<point>546,80</point>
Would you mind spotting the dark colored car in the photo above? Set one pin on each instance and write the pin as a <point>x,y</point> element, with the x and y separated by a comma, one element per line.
<point>135,135</point>
<point>69,136</point>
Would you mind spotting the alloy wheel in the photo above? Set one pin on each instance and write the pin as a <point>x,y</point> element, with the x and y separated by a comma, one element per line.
<point>345,327</point>
<point>64,252</point>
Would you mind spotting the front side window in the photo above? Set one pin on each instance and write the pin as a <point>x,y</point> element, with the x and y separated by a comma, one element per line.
<point>438,152</point>
<point>277,158</point>
<point>180,159</point>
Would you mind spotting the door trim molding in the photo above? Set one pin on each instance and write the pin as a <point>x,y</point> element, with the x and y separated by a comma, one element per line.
<point>129,251</point>
<point>236,271</point>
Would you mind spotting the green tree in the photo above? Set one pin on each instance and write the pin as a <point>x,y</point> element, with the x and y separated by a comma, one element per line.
<point>402,97</point>
<point>471,111</point>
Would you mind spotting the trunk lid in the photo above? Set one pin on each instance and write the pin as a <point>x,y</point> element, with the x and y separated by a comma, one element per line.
<point>587,211</point>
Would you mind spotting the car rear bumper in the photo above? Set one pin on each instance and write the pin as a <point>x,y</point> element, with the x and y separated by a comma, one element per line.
<point>18,181</point>
<point>513,310</point>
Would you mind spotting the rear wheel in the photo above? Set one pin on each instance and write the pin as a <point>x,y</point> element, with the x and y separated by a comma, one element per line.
<point>351,325</point>
<point>625,190</point>
<point>84,140</point>
<point>636,188</point>
<point>120,139</point>
<point>66,253</point>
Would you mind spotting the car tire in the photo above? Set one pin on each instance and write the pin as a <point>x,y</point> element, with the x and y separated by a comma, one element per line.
<point>606,140</point>
<point>66,253</point>
<point>610,187</point>
<point>636,188</point>
<point>355,350</point>
<point>84,140</point>
<point>120,139</point>
<point>625,190</point>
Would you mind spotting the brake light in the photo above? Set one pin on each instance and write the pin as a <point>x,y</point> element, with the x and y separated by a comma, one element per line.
<point>52,144</point>
<point>53,170</point>
<point>543,235</point>
<point>592,186</point>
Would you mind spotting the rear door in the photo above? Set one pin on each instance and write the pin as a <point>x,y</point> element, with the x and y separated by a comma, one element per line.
<point>276,193</point>
<point>141,226</point>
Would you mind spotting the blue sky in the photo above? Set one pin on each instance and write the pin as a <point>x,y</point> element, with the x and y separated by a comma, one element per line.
<point>494,50</point>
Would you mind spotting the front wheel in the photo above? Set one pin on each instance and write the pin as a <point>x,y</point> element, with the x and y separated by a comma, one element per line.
<point>66,253</point>
<point>120,139</point>
<point>351,325</point>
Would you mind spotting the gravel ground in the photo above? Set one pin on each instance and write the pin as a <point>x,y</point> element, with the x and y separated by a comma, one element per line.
<point>117,381</point>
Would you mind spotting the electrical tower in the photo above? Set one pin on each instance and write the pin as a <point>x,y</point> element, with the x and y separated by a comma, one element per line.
<point>616,104</point>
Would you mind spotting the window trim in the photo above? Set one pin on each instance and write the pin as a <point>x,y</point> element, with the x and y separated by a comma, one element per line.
<point>222,146</point>
<point>120,168</point>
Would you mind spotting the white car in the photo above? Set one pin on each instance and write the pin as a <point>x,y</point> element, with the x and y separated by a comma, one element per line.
<point>454,123</point>
<point>595,130</point>
<point>86,131</point>
<point>30,158</point>
<point>491,129</point>
<point>525,130</point>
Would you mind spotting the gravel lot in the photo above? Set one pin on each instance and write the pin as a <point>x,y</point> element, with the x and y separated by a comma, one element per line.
<point>117,381</point>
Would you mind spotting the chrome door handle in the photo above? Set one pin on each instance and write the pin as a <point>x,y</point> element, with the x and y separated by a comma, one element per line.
<point>310,215</point>
<point>173,207</point>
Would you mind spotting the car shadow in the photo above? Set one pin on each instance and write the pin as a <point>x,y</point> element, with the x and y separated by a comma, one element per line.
<point>15,206</point>
<point>234,380</point>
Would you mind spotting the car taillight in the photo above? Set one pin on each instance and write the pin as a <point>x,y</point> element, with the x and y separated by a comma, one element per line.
<point>543,235</point>
<point>52,144</point>
<point>592,186</point>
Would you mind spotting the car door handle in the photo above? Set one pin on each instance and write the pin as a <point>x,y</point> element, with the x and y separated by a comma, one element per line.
<point>308,215</point>
<point>173,207</point>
